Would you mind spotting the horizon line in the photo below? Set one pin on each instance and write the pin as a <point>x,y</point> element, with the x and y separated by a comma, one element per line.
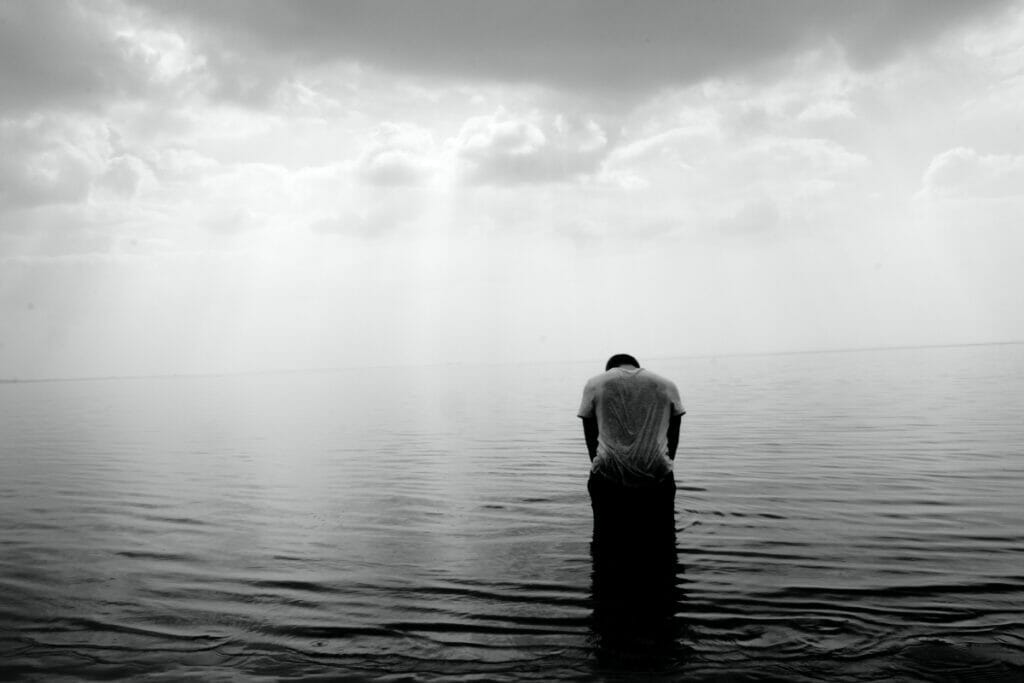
<point>286,371</point>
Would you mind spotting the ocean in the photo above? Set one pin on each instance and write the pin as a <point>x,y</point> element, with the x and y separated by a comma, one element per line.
<point>841,516</point>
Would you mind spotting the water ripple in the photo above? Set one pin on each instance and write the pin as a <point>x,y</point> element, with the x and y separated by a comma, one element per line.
<point>844,518</point>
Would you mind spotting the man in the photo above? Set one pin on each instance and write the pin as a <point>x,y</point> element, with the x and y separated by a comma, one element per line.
<point>631,420</point>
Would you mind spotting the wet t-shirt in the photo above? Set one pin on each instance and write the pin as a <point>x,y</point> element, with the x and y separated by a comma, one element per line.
<point>633,407</point>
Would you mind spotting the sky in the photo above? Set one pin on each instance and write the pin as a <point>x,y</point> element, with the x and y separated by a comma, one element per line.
<point>199,187</point>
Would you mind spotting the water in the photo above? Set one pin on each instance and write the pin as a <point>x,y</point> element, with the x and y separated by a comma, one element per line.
<point>840,516</point>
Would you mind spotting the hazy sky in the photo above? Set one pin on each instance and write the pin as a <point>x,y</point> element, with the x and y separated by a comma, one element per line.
<point>228,186</point>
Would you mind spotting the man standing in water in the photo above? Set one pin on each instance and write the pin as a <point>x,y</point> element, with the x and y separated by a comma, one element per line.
<point>631,420</point>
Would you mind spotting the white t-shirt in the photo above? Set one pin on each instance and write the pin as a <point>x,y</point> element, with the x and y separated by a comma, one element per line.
<point>633,407</point>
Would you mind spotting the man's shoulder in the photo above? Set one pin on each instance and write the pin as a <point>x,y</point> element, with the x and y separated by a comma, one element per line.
<point>600,379</point>
<point>645,375</point>
<point>658,379</point>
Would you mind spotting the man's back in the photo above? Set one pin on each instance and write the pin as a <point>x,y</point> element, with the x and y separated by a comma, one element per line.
<point>633,408</point>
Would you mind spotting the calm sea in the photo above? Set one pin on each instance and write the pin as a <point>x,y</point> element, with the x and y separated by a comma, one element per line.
<point>840,516</point>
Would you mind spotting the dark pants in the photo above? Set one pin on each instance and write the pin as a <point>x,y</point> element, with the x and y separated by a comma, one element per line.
<point>632,512</point>
<point>635,567</point>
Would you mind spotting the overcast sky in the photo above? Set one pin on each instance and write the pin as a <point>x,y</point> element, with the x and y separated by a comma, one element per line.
<point>232,186</point>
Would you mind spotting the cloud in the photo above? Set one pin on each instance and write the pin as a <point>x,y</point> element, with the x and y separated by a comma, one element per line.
<point>754,216</point>
<point>597,45</point>
<point>400,154</point>
<point>382,219</point>
<point>55,53</point>
<point>503,149</point>
<point>373,210</point>
<point>71,55</point>
<point>231,220</point>
<point>680,148</point>
<point>826,110</point>
<point>963,172</point>
<point>816,157</point>
<point>50,160</point>
<point>124,174</point>
<point>703,161</point>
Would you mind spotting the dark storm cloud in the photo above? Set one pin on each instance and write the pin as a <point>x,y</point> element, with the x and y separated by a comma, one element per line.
<point>591,44</point>
<point>58,53</point>
<point>67,53</point>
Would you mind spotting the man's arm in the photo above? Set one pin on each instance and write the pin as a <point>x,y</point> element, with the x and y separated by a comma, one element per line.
<point>674,423</point>
<point>590,434</point>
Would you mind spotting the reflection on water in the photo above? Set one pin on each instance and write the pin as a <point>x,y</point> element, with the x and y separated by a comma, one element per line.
<point>841,517</point>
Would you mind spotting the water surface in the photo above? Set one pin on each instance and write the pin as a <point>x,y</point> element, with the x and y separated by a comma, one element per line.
<point>840,516</point>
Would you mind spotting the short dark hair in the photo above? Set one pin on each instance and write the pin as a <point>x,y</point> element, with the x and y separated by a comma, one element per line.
<point>621,359</point>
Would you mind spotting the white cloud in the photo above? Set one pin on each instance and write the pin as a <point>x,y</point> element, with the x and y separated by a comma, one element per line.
<point>963,172</point>
<point>399,154</point>
<point>345,223</point>
<point>513,158</point>
<point>826,110</point>
<point>50,160</point>
<point>369,211</point>
<point>815,157</point>
<point>504,149</point>
<point>760,214</point>
<point>724,177</point>
<point>166,56</point>
<point>124,174</point>
<point>680,144</point>
<point>999,44</point>
<point>177,163</point>
<point>232,219</point>
<point>360,223</point>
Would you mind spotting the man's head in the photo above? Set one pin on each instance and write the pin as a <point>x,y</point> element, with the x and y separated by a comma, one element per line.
<point>621,359</point>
